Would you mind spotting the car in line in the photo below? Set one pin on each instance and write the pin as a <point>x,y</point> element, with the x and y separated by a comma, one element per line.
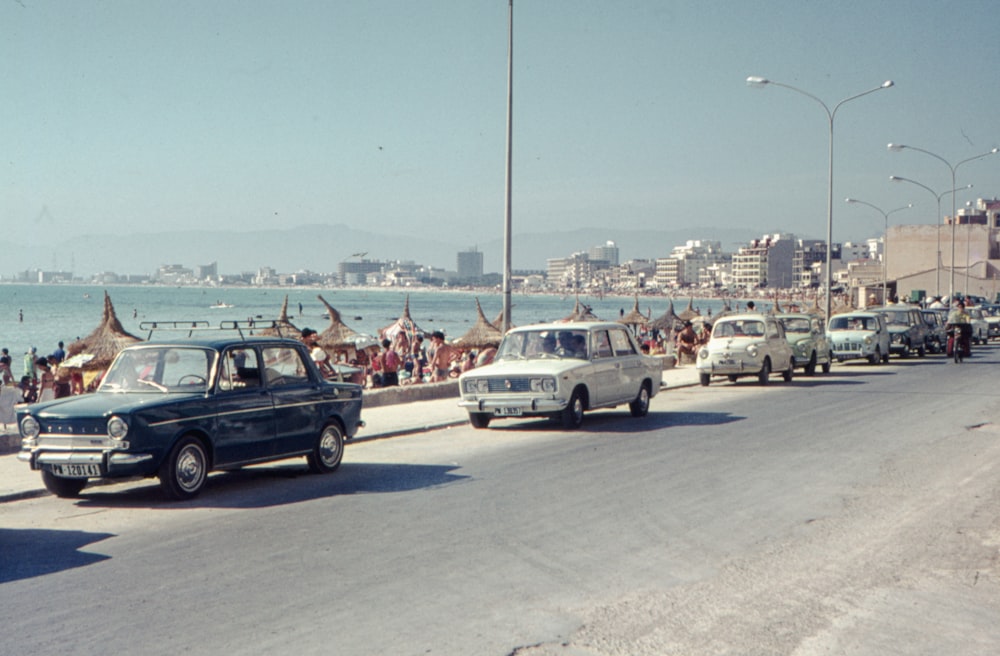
<point>179,409</point>
<point>859,334</point>
<point>980,326</point>
<point>991,313</point>
<point>746,345</point>
<point>907,330</point>
<point>937,336</point>
<point>561,371</point>
<point>807,337</point>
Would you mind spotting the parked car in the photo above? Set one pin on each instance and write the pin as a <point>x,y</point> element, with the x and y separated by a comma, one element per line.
<point>561,370</point>
<point>991,313</point>
<point>936,336</point>
<point>907,330</point>
<point>807,337</point>
<point>181,409</point>
<point>859,335</point>
<point>746,345</point>
<point>980,327</point>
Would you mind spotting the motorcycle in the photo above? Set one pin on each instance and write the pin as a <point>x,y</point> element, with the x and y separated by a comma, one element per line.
<point>962,333</point>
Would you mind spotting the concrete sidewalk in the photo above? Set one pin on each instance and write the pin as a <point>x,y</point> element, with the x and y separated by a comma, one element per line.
<point>17,481</point>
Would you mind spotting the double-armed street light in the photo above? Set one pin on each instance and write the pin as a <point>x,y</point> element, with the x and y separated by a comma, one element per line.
<point>755,81</point>
<point>898,147</point>
<point>937,197</point>
<point>885,239</point>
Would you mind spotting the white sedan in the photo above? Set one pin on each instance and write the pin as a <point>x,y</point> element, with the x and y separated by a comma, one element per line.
<point>746,345</point>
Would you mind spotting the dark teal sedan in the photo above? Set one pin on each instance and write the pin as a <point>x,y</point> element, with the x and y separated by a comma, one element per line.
<point>180,409</point>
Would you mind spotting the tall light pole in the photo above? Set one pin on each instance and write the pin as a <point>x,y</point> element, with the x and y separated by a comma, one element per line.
<point>755,81</point>
<point>896,148</point>
<point>938,222</point>
<point>885,239</point>
<point>507,238</point>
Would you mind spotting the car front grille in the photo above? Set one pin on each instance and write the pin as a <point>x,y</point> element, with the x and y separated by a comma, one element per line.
<point>501,385</point>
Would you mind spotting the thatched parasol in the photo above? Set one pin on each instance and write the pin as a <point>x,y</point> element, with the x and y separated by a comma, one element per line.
<point>104,343</point>
<point>580,313</point>
<point>337,336</point>
<point>282,326</point>
<point>635,317</point>
<point>668,321</point>
<point>482,335</point>
<point>403,323</point>
<point>689,313</point>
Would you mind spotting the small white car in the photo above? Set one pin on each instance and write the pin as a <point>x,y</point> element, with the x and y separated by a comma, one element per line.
<point>980,325</point>
<point>807,337</point>
<point>560,370</point>
<point>862,335</point>
<point>746,345</point>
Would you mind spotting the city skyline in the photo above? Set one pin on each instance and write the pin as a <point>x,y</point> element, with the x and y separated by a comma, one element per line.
<point>149,116</point>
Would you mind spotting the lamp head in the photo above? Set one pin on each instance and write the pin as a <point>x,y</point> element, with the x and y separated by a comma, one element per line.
<point>887,84</point>
<point>757,81</point>
<point>895,147</point>
<point>850,200</point>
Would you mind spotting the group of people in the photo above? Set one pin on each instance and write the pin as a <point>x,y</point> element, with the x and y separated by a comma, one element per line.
<point>43,377</point>
<point>402,359</point>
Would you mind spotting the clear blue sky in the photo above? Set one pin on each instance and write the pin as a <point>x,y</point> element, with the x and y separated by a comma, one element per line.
<point>141,115</point>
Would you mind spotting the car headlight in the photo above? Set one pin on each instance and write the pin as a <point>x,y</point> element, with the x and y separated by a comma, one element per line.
<point>545,385</point>
<point>30,428</point>
<point>869,340</point>
<point>752,350</point>
<point>703,353</point>
<point>117,428</point>
<point>477,386</point>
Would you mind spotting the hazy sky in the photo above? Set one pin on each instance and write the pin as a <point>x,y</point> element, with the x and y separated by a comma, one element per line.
<point>140,115</point>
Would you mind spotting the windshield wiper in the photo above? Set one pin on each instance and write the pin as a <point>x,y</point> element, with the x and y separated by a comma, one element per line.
<point>153,384</point>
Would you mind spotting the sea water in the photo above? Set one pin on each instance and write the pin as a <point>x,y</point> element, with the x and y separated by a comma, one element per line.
<point>43,315</point>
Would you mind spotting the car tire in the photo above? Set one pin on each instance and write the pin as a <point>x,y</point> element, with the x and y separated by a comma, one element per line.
<point>875,357</point>
<point>787,374</point>
<point>639,406</point>
<point>922,351</point>
<point>906,350</point>
<point>733,378</point>
<point>183,474</point>
<point>328,451</point>
<point>885,357</point>
<point>480,419</point>
<point>572,414</point>
<point>64,488</point>
<point>705,379</point>
<point>826,365</point>
<point>765,372</point>
<point>810,368</point>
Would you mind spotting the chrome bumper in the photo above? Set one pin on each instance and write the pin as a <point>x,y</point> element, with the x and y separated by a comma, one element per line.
<point>108,461</point>
<point>525,405</point>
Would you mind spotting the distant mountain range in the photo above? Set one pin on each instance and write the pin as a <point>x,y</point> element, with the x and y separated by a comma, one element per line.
<point>321,248</point>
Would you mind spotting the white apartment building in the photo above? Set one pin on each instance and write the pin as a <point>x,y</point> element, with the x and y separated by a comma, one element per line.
<point>686,264</point>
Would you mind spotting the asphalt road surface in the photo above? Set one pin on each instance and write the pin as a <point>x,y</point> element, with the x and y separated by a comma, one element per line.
<point>851,513</point>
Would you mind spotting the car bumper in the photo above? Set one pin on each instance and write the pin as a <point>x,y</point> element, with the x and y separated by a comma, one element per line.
<point>729,367</point>
<point>525,406</point>
<point>112,464</point>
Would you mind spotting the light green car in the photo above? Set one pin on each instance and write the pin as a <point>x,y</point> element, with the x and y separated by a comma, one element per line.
<point>807,337</point>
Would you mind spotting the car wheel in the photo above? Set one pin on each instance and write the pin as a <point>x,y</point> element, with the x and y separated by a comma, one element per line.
<point>826,365</point>
<point>328,450</point>
<point>732,378</point>
<point>922,351</point>
<point>811,365</point>
<point>66,488</point>
<point>705,379</point>
<point>639,406</point>
<point>572,414</point>
<point>787,374</point>
<point>183,474</point>
<point>480,419</point>
<point>875,357</point>
<point>906,350</point>
<point>885,357</point>
<point>765,372</point>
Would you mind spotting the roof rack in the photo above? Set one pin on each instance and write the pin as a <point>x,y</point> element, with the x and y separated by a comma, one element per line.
<point>197,326</point>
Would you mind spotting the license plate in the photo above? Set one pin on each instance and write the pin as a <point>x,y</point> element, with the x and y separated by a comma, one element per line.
<point>76,471</point>
<point>727,363</point>
<point>506,412</point>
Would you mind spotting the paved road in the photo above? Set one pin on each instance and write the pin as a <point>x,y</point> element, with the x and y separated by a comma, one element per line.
<point>850,513</point>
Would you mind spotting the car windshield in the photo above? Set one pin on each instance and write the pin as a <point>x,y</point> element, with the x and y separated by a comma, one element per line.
<point>738,328</point>
<point>544,344</point>
<point>897,318</point>
<point>159,370</point>
<point>797,325</point>
<point>853,323</point>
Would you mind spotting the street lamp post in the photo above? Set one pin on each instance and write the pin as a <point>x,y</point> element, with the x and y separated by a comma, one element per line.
<point>897,147</point>
<point>937,197</point>
<point>756,81</point>
<point>885,239</point>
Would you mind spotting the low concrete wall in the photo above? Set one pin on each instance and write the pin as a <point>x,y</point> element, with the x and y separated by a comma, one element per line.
<point>375,398</point>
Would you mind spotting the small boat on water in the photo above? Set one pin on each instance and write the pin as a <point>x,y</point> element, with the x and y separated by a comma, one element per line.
<point>220,305</point>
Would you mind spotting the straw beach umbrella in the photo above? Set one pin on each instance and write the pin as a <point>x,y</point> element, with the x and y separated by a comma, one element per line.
<point>103,344</point>
<point>404,323</point>
<point>283,327</point>
<point>482,335</point>
<point>580,313</point>
<point>337,337</point>
<point>635,317</point>
<point>689,313</point>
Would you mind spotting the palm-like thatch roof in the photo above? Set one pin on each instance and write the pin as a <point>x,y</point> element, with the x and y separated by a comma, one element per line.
<point>404,323</point>
<point>104,342</point>
<point>337,336</point>
<point>282,327</point>
<point>483,334</point>
<point>689,313</point>
<point>580,313</point>
<point>668,321</point>
<point>634,317</point>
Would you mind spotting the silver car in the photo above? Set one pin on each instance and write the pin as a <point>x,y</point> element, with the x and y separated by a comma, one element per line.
<point>807,337</point>
<point>859,335</point>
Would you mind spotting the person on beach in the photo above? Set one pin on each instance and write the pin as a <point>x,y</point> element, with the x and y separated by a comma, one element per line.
<point>59,354</point>
<point>687,339</point>
<point>389,361</point>
<point>316,352</point>
<point>29,364</point>
<point>46,380</point>
<point>6,376</point>
<point>440,361</point>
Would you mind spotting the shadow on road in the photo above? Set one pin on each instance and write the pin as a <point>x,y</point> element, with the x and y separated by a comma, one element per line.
<point>26,553</point>
<point>276,485</point>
